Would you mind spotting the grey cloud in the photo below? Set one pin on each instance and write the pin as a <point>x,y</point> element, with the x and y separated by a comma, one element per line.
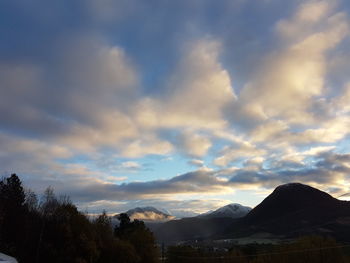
<point>83,189</point>
<point>88,80</point>
<point>90,186</point>
<point>70,80</point>
<point>324,173</point>
<point>178,208</point>
<point>330,167</point>
<point>192,182</point>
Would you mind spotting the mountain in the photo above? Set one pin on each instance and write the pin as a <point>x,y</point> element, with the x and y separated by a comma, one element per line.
<point>149,214</point>
<point>191,228</point>
<point>231,211</point>
<point>291,210</point>
<point>295,209</point>
<point>199,227</point>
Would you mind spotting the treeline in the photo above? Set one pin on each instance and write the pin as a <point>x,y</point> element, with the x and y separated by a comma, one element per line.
<point>311,249</point>
<point>53,230</point>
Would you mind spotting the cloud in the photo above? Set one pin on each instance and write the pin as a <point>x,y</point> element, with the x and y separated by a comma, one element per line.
<point>203,86</point>
<point>88,63</point>
<point>345,197</point>
<point>291,77</point>
<point>177,208</point>
<point>192,182</point>
<point>108,10</point>
<point>147,145</point>
<point>113,165</point>
<point>90,190</point>
<point>307,15</point>
<point>30,156</point>
<point>329,169</point>
<point>73,100</point>
<point>83,101</point>
<point>130,165</point>
<point>230,154</point>
<point>340,104</point>
<point>196,162</point>
<point>194,144</point>
<point>84,184</point>
<point>19,101</point>
<point>197,92</point>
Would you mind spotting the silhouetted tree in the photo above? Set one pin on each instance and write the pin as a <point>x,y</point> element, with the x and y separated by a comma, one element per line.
<point>12,209</point>
<point>55,231</point>
<point>139,236</point>
<point>31,200</point>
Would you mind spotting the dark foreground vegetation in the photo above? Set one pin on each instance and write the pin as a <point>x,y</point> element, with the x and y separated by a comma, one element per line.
<point>53,230</point>
<point>312,249</point>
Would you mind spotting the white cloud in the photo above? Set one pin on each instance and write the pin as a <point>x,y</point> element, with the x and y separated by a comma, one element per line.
<point>87,101</point>
<point>201,87</point>
<point>230,154</point>
<point>294,75</point>
<point>269,130</point>
<point>146,145</point>
<point>194,144</point>
<point>308,14</point>
<point>341,103</point>
<point>196,162</point>
<point>198,92</point>
<point>130,165</point>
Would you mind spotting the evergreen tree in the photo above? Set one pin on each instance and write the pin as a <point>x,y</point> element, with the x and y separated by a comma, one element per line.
<point>12,198</point>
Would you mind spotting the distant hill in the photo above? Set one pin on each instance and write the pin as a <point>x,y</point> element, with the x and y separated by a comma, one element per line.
<point>295,209</point>
<point>291,210</point>
<point>190,228</point>
<point>199,227</point>
<point>231,211</point>
<point>148,214</point>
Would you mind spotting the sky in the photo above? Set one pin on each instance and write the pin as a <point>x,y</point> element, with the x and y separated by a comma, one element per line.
<point>184,105</point>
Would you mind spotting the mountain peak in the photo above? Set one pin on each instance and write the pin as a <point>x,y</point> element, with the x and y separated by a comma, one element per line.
<point>298,192</point>
<point>295,186</point>
<point>148,213</point>
<point>290,197</point>
<point>296,209</point>
<point>292,185</point>
<point>233,210</point>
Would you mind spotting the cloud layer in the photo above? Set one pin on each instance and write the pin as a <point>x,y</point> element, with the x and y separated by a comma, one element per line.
<point>101,96</point>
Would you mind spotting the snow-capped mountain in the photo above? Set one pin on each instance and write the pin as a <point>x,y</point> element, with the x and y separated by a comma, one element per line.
<point>231,210</point>
<point>149,213</point>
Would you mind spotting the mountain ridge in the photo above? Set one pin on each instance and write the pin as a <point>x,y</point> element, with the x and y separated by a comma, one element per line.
<point>233,210</point>
<point>291,210</point>
<point>148,214</point>
<point>295,209</point>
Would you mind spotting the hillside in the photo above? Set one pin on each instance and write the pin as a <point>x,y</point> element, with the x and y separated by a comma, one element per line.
<point>230,210</point>
<point>296,209</point>
<point>190,229</point>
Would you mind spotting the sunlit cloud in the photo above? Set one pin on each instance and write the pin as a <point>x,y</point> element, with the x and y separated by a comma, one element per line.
<point>120,119</point>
